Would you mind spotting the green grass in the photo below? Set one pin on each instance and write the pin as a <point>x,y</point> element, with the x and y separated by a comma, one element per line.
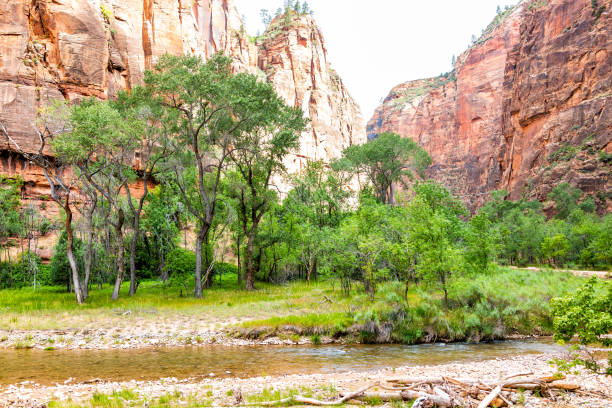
<point>481,307</point>
<point>129,398</point>
<point>410,94</point>
<point>52,308</point>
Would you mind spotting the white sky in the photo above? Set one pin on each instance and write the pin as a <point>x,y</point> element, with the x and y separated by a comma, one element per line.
<point>375,45</point>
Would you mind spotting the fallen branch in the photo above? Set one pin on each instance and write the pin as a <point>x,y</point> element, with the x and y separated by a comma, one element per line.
<point>312,401</point>
<point>489,398</point>
<point>444,392</point>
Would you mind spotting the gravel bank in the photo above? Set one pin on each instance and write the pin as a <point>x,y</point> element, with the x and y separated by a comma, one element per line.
<point>219,392</point>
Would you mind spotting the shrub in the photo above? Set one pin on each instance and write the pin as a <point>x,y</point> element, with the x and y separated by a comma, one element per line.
<point>588,314</point>
<point>180,265</point>
<point>59,269</point>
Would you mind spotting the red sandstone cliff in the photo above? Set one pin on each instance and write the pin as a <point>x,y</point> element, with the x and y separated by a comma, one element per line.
<point>52,49</point>
<point>537,83</point>
<point>557,102</point>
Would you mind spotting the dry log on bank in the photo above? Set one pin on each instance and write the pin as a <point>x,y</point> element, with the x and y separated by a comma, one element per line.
<point>444,392</point>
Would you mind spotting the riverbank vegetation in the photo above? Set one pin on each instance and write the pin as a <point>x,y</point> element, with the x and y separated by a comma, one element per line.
<point>181,185</point>
<point>297,311</point>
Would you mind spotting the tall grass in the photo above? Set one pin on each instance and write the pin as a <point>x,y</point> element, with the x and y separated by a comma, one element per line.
<point>481,307</point>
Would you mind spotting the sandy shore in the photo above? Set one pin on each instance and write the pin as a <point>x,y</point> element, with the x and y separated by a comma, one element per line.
<point>220,392</point>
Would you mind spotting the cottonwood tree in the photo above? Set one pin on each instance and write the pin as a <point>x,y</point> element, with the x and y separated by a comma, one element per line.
<point>52,123</point>
<point>434,230</point>
<point>386,160</point>
<point>258,157</point>
<point>87,209</point>
<point>312,208</point>
<point>152,147</point>
<point>101,144</point>
<point>210,111</point>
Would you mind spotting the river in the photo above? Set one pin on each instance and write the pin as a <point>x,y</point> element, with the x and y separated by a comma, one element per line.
<point>50,367</point>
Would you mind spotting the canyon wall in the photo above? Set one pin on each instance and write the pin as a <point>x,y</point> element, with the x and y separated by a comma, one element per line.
<point>70,49</point>
<point>295,61</point>
<point>526,108</point>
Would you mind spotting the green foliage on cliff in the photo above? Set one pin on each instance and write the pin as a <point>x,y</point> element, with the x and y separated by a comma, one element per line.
<point>283,19</point>
<point>536,4</point>
<point>410,94</point>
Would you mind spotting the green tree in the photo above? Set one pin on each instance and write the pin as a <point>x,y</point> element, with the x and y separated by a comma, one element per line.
<point>10,221</point>
<point>213,114</point>
<point>386,160</point>
<point>565,197</point>
<point>555,248</point>
<point>152,149</point>
<point>102,144</point>
<point>480,242</point>
<point>602,243</point>
<point>60,271</point>
<point>53,121</point>
<point>257,157</point>
<point>314,207</point>
<point>432,235</point>
<point>163,214</point>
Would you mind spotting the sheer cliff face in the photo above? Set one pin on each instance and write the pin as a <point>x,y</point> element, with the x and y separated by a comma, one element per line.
<point>75,48</point>
<point>52,49</point>
<point>557,102</point>
<point>295,62</point>
<point>457,117</point>
<point>535,88</point>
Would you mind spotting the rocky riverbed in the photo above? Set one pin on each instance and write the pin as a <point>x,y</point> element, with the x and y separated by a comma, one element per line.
<point>137,338</point>
<point>212,391</point>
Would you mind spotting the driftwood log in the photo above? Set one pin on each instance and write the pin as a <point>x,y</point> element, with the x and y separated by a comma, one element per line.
<point>444,392</point>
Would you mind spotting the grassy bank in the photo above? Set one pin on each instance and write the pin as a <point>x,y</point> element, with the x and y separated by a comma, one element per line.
<point>488,306</point>
<point>483,307</point>
<point>52,308</point>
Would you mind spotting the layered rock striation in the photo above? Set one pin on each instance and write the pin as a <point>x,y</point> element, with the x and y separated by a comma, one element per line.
<point>70,49</point>
<point>526,108</point>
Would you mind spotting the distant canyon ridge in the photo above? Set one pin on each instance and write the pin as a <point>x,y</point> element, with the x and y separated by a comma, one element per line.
<point>527,107</point>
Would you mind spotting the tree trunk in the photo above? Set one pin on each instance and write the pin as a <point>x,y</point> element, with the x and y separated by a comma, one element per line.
<point>445,291</point>
<point>88,255</point>
<point>162,267</point>
<point>208,258</point>
<point>198,272</point>
<point>120,255</point>
<point>239,241</point>
<point>69,254</point>
<point>249,274</point>
<point>133,245</point>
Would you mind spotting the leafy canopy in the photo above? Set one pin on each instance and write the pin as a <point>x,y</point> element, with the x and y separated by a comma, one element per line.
<point>385,160</point>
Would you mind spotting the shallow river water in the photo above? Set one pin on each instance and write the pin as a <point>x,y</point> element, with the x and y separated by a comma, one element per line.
<point>49,367</point>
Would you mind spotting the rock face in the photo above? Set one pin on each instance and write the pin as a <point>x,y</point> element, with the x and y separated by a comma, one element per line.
<point>294,59</point>
<point>557,102</point>
<point>526,108</point>
<point>53,49</point>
